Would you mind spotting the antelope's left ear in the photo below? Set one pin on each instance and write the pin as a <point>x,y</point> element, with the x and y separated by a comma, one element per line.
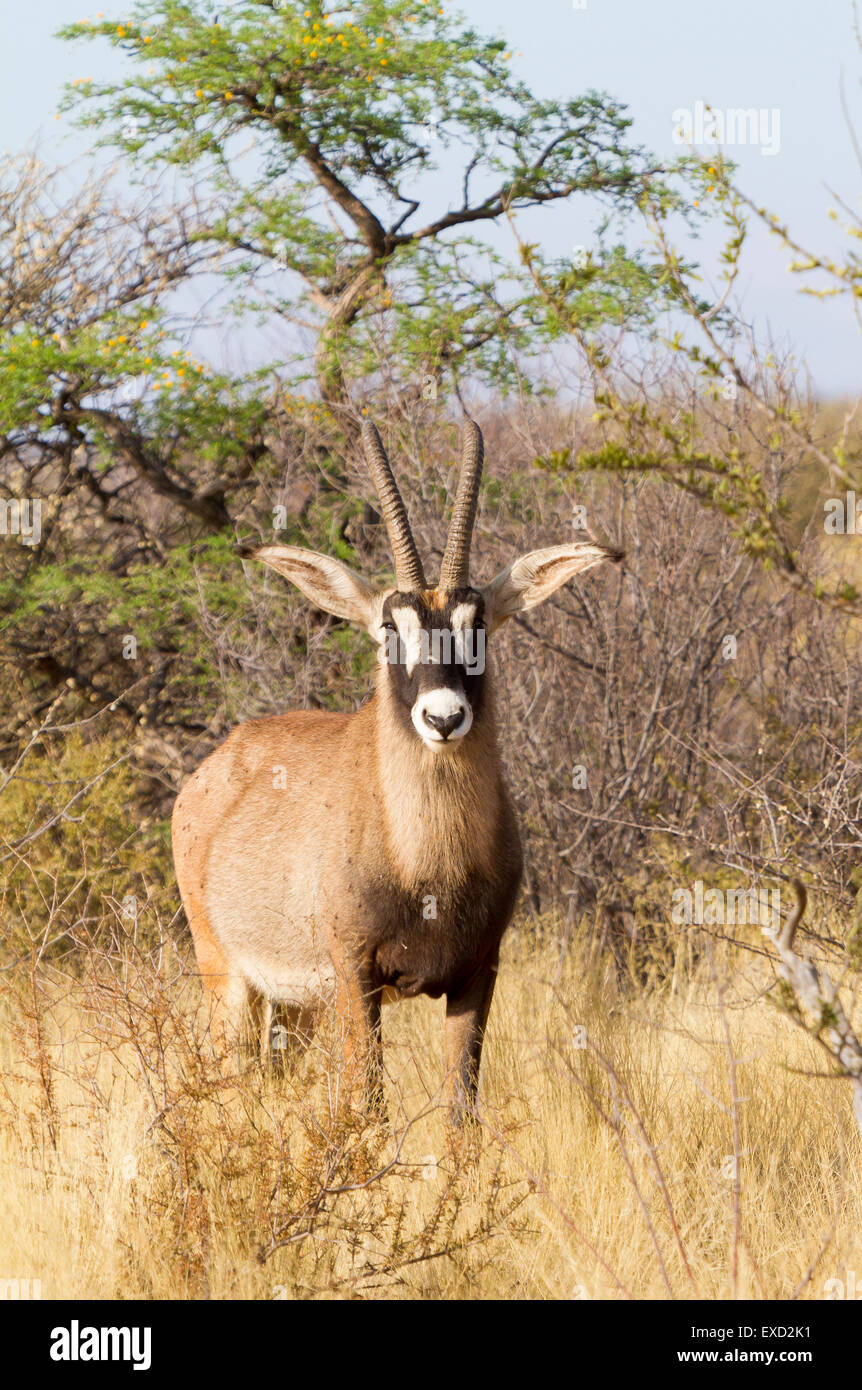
<point>532,578</point>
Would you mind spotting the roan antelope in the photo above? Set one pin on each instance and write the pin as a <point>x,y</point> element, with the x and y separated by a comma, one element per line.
<point>346,858</point>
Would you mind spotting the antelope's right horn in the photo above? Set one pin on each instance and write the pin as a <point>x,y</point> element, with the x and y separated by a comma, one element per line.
<point>408,566</point>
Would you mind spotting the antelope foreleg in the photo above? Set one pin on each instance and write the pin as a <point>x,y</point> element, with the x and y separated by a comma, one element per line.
<point>359,1040</point>
<point>466,1018</point>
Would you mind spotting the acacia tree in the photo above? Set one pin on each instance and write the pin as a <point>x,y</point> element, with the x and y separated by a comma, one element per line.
<point>92,382</point>
<point>321,126</point>
<point>309,144</point>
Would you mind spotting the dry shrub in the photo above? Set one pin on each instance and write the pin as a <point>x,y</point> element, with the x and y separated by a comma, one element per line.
<point>604,1167</point>
<point>200,1183</point>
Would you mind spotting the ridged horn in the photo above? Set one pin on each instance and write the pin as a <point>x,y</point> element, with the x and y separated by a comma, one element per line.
<point>455,569</point>
<point>408,566</point>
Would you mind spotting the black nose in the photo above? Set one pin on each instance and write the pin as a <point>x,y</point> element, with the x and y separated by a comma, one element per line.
<point>443,724</point>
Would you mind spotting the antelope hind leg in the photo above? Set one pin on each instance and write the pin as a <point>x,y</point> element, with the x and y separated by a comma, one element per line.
<point>234,1015</point>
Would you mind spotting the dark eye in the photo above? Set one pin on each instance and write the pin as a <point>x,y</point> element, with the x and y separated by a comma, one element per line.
<point>389,627</point>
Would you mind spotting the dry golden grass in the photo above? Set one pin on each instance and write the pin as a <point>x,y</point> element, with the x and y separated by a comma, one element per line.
<point>130,1168</point>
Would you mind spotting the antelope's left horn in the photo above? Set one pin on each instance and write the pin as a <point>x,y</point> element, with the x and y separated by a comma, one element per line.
<point>455,569</point>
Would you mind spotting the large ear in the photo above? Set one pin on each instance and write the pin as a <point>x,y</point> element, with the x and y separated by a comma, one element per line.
<point>329,584</point>
<point>534,577</point>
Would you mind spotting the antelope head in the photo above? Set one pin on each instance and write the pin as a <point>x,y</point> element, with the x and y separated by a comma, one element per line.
<point>432,641</point>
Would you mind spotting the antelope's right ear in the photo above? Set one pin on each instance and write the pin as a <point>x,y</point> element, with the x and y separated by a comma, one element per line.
<point>329,584</point>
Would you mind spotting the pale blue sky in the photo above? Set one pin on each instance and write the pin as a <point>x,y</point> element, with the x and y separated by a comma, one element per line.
<point>656,56</point>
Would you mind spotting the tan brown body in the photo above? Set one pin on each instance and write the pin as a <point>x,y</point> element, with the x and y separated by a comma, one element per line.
<point>334,858</point>
<point>410,887</point>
